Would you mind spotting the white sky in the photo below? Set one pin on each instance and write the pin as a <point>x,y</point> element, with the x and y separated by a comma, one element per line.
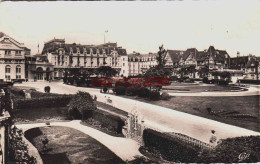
<point>137,26</point>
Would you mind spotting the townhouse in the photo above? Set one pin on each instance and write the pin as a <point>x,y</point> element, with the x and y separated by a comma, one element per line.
<point>12,59</point>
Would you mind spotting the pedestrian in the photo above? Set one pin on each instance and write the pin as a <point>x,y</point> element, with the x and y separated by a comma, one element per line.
<point>213,138</point>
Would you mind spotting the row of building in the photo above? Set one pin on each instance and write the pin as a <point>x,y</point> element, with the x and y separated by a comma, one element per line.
<point>17,62</point>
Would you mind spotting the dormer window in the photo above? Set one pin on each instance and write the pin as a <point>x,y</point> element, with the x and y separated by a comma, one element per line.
<point>7,52</point>
<point>71,50</point>
<point>78,50</point>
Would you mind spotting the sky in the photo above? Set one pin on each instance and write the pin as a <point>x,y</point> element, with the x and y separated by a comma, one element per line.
<point>137,26</point>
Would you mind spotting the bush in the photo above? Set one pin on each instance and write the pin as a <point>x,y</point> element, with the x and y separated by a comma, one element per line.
<point>65,80</point>
<point>17,149</point>
<point>120,90</point>
<point>105,90</point>
<point>71,81</point>
<point>47,89</point>
<point>82,103</point>
<point>231,150</point>
<point>205,80</point>
<point>249,81</point>
<point>165,96</point>
<point>132,91</point>
<point>143,92</point>
<point>154,95</point>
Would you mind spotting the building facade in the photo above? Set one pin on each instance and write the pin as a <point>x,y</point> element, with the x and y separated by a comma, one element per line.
<point>211,59</point>
<point>63,55</point>
<point>139,63</point>
<point>249,65</point>
<point>38,68</point>
<point>12,59</point>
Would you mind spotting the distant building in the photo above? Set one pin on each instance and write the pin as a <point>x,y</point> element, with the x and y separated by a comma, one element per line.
<point>12,58</point>
<point>38,68</point>
<point>249,64</point>
<point>140,63</point>
<point>63,55</point>
<point>212,59</point>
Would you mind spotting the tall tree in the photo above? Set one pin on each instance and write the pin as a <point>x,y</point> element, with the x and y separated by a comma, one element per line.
<point>106,71</point>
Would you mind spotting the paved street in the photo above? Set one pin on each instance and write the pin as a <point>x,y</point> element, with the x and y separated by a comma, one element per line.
<point>163,119</point>
<point>126,149</point>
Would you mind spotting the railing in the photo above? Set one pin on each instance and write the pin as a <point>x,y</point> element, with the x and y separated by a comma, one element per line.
<point>191,140</point>
<point>185,138</point>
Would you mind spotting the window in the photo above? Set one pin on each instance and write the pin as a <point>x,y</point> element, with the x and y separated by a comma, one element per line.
<point>18,69</point>
<point>123,71</point>
<point>7,69</point>
<point>7,52</point>
<point>123,64</point>
<point>18,76</point>
<point>18,53</point>
<point>7,77</point>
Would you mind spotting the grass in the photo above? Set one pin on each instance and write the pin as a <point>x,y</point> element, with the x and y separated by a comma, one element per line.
<point>67,145</point>
<point>242,111</point>
<point>187,87</point>
<point>246,106</point>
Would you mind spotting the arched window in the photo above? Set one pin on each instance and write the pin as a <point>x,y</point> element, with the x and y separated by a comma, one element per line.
<point>39,69</point>
<point>7,69</point>
<point>18,69</point>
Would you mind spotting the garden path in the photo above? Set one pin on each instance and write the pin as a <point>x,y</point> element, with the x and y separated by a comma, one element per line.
<point>124,148</point>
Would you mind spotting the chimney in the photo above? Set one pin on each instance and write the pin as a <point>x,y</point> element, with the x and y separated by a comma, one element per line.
<point>238,54</point>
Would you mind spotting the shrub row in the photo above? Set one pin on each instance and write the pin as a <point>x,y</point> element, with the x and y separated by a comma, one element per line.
<point>142,92</point>
<point>248,81</point>
<point>55,101</point>
<point>231,150</point>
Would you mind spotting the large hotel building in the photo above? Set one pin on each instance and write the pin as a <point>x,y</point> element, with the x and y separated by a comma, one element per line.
<point>63,55</point>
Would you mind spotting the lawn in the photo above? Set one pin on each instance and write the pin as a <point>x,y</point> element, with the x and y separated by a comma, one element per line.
<point>239,111</point>
<point>194,87</point>
<point>68,145</point>
<point>242,111</point>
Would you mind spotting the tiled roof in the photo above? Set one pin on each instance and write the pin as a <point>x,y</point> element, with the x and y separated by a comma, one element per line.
<point>52,47</point>
<point>1,34</point>
<point>175,55</point>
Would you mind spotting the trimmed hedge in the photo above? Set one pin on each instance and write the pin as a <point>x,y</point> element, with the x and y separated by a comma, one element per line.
<point>248,81</point>
<point>171,149</point>
<point>56,101</point>
<point>234,150</point>
<point>120,90</point>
